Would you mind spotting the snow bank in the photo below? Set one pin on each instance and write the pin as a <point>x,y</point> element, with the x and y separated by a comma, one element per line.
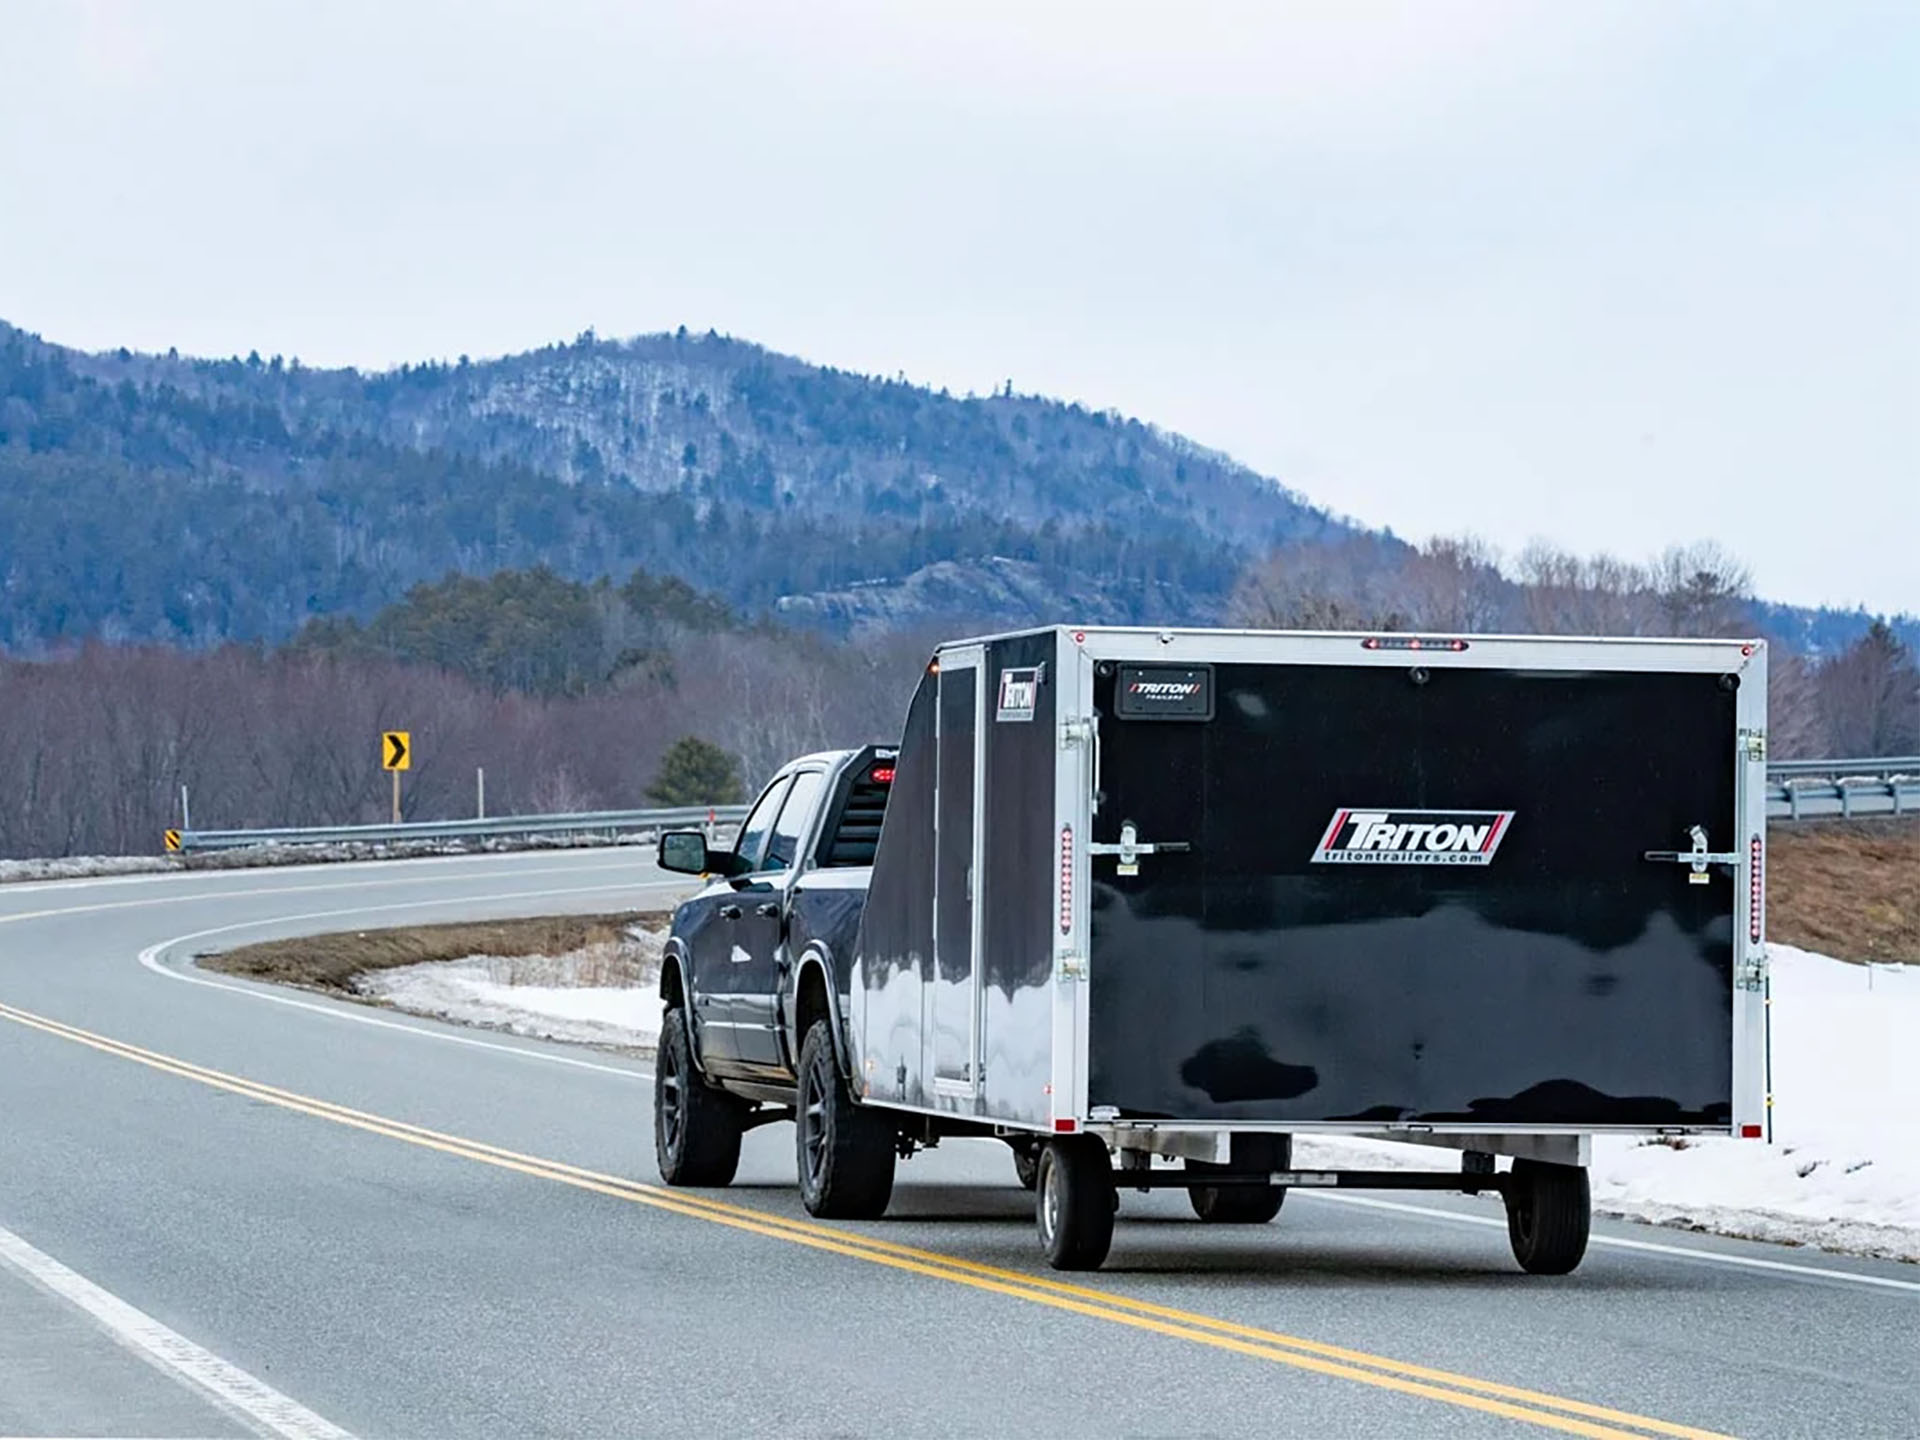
<point>1843,1171</point>
<point>597,995</point>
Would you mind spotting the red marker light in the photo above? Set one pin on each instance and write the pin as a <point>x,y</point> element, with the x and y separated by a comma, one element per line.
<point>1411,642</point>
<point>1066,878</point>
<point>1749,1132</point>
<point>1066,1125</point>
<point>882,775</point>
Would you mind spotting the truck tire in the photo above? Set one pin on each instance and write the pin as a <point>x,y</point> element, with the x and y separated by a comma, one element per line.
<point>1026,1162</point>
<point>1243,1204</point>
<point>844,1152</point>
<point>1074,1200</point>
<point>1549,1213</point>
<point>696,1128</point>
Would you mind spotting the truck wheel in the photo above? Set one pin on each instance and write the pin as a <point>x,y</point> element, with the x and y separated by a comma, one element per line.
<point>1549,1212</point>
<point>696,1128</point>
<point>1026,1163</point>
<point>1243,1204</point>
<point>844,1151</point>
<point>1074,1200</point>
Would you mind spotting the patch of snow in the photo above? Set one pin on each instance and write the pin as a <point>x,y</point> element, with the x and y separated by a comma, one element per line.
<point>597,995</point>
<point>80,867</point>
<point>1843,1170</point>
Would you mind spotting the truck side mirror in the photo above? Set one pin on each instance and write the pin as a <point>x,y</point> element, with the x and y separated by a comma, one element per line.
<point>684,851</point>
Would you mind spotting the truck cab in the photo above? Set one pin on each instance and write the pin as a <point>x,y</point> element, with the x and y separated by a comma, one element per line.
<point>760,951</point>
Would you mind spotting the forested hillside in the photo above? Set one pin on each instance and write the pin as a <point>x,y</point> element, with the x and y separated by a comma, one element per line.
<point>182,500</point>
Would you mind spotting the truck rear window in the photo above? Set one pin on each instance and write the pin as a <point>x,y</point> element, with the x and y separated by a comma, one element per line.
<point>857,830</point>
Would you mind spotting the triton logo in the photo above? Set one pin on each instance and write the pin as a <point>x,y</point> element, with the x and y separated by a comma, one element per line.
<point>1019,692</point>
<point>1413,837</point>
<point>1164,689</point>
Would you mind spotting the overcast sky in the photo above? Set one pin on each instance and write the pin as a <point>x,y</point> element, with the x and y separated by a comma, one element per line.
<point>1610,274</point>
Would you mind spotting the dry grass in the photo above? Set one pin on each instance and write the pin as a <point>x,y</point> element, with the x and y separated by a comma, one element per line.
<point>329,962</point>
<point>1850,889</point>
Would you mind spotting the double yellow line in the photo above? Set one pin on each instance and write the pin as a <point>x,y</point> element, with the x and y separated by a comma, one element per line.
<point>1509,1401</point>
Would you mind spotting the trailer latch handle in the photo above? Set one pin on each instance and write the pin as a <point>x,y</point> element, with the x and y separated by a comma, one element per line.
<point>1131,848</point>
<point>1699,857</point>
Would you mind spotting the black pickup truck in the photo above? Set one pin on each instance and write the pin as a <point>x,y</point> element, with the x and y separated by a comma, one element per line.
<point>755,981</point>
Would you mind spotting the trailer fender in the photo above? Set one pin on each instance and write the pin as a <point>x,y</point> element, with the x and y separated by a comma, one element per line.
<point>812,999</point>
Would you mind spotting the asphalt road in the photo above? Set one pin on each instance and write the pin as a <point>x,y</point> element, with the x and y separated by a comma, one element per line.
<point>337,1220</point>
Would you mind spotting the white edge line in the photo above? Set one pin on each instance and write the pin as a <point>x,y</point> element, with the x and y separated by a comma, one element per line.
<point>150,958</point>
<point>1620,1242</point>
<point>264,1409</point>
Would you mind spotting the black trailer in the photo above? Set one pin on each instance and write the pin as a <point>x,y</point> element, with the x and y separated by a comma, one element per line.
<point>1181,895</point>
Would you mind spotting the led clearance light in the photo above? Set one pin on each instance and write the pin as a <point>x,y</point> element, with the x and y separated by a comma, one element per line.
<point>882,774</point>
<point>1749,1132</point>
<point>1066,878</point>
<point>1755,891</point>
<point>1410,642</point>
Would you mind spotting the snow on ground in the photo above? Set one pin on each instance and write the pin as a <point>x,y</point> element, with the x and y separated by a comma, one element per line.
<point>598,995</point>
<point>1843,1171</point>
<point>75,867</point>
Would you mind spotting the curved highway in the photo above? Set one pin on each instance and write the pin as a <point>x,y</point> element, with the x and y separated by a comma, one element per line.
<point>227,1209</point>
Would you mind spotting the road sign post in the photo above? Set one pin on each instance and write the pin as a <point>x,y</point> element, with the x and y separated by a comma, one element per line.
<point>396,754</point>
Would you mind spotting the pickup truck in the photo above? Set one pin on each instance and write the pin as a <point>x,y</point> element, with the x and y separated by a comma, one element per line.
<point>755,980</point>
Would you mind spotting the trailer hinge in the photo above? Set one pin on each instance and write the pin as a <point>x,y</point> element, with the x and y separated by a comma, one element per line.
<point>1755,742</point>
<point>1075,732</point>
<point>1073,965</point>
<point>1751,974</point>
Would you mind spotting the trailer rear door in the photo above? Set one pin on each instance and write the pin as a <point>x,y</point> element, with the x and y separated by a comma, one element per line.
<point>1402,896</point>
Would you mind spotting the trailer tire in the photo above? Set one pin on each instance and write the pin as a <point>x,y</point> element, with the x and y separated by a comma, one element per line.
<point>1026,1162</point>
<point>1549,1215</point>
<point>1243,1204</point>
<point>696,1128</point>
<point>1074,1200</point>
<point>1236,1204</point>
<point>844,1152</point>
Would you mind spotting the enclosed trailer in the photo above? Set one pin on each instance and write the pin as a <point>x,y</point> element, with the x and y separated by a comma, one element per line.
<point>1189,893</point>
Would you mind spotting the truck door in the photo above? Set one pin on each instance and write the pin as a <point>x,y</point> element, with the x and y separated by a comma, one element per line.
<point>956,895</point>
<point>761,930</point>
<point>717,940</point>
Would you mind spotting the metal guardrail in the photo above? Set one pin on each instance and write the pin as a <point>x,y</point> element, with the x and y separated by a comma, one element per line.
<point>1883,767</point>
<point>1824,790</point>
<point>593,822</point>
<point>1796,790</point>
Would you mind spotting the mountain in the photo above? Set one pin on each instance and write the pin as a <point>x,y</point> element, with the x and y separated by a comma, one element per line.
<point>193,501</point>
<point>180,499</point>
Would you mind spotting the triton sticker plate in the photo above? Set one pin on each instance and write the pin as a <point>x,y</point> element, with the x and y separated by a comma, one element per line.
<point>1382,836</point>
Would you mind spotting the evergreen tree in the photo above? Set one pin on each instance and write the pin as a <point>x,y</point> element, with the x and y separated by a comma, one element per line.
<point>697,772</point>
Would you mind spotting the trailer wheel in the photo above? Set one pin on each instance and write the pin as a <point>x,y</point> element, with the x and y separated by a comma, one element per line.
<point>1236,1204</point>
<point>1243,1204</point>
<point>1026,1162</point>
<point>1549,1213</point>
<point>1074,1200</point>
<point>844,1152</point>
<point>696,1128</point>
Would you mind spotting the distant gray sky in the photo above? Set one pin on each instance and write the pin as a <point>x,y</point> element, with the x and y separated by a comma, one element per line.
<point>1610,274</point>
